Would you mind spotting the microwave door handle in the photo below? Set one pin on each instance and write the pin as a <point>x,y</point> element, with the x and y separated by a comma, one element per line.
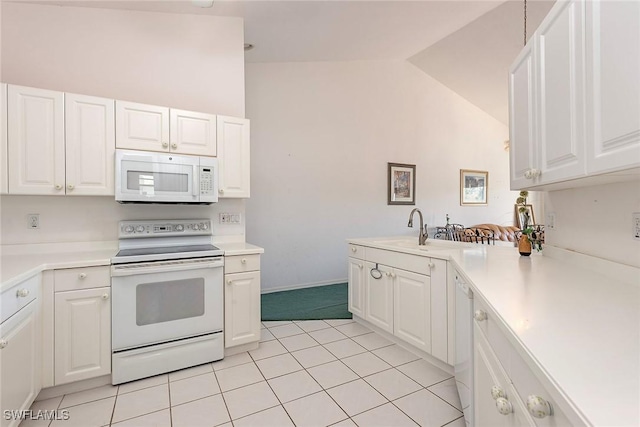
<point>195,181</point>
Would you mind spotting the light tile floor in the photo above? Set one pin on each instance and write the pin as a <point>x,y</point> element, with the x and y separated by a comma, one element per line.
<point>306,373</point>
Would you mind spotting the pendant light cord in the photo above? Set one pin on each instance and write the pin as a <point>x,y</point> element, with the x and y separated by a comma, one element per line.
<point>525,22</point>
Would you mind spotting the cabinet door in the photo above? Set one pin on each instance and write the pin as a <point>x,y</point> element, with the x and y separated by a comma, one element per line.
<point>36,141</point>
<point>192,133</point>
<point>521,118</point>
<point>19,361</point>
<point>233,156</point>
<point>379,297</point>
<point>488,373</point>
<point>241,308</point>
<point>4,173</point>
<point>412,308</point>
<point>356,286</point>
<point>560,82</point>
<point>142,127</point>
<point>613,85</point>
<point>90,145</point>
<point>82,334</point>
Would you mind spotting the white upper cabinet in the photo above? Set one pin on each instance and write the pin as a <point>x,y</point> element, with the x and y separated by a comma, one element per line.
<point>613,85</point>
<point>36,141</point>
<point>152,128</point>
<point>142,127</point>
<point>560,79</point>
<point>577,113</point>
<point>192,133</point>
<point>90,145</point>
<point>234,157</point>
<point>4,174</point>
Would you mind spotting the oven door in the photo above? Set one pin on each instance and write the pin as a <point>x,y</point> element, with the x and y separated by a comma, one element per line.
<point>157,178</point>
<point>163,301</point>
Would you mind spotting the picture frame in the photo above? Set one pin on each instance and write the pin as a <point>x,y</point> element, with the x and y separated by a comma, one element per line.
<point>520,216</point>
<point>401,184</point>
<point>474,187</point>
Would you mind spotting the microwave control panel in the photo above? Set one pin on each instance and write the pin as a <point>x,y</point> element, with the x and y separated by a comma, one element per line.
<point>206,180</point>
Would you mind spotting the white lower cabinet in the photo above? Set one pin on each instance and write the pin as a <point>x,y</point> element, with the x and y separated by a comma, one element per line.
<point>241,300</point>
<point>82,334</point>
<point>402,294</point>
<point>20,365</point>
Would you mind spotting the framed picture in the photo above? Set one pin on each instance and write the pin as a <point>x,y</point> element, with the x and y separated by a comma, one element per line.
<point>401,184</point>
<point>520,216</point>
<point>474,187</point>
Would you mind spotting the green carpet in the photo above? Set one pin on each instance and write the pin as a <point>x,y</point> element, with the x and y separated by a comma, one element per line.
<point>320,302</point>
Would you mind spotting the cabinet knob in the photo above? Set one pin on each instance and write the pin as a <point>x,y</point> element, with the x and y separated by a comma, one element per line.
<point>82,276</point>
<point>22,293</point>
<point>243,260</point>
<point>360,266</point>
<point>538,407</point>
<point>528,174</point>
<point>174,146</point>
<point>221,191</point>
<point>497,392</point>
<point>354,249</point>
<point>480,315</point>
<point>58,187</point>
<point>105,296</point>
<point>431,265</point>
<point>536,172</point>
<point>388,274</point>
<point>229,282</point>
<point>503,406</point>
<point>165,145</point>
<point>3,344</point>
<point>70,187</point>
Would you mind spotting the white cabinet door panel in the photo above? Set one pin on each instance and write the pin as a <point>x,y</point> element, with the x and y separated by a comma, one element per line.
<point>521,118</point>
<point>90,145</point>
<point>4,173</point>
<point>613,85</point>
<point>234,157</point>
<point>412,308</point>
<point>242,308</point>
<point>193,133</point>
<point>82,334</point>
<point>356,287</point>
<point>560,90</point>
<point>36,141</point>
<point>20,364</point>
<point>142,127</point>
<point>379,297</point>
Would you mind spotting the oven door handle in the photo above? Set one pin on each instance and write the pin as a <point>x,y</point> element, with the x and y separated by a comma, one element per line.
<point>163,267</point>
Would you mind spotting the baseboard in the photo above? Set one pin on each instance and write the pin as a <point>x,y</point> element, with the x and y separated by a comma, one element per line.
<point>303,286</point>
<point>74,387</point>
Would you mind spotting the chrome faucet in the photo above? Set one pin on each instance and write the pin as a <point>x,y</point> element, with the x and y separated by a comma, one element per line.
<point>423,236</point>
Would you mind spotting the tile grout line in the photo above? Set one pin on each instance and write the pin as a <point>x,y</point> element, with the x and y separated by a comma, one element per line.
<point>224,401</point>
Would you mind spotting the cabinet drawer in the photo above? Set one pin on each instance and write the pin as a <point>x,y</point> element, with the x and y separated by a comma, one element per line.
<point>496,337</point>
<point>241,263</point>
<point>415,263</point>
<point>71,279</point>
<point>356,251</point>
<point>18,296</point>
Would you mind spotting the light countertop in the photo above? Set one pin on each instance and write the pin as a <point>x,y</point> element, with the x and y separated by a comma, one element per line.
<point>581,327</point>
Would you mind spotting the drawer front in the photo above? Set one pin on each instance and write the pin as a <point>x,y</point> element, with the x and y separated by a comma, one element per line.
<point>528,386</point>
<point>356,251</point>
<point>417,264</point>
<point>241,263</point>
<point>18,296</point>
<point>71,279</point>
<point>492,331</point>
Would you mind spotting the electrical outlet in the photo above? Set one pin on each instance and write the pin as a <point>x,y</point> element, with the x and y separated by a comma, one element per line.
<point>224,218</point>
<point>636,225</point>
<point>33,221</point>
<point>551,220</point>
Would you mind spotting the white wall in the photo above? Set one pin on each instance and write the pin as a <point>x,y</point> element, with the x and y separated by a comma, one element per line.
<point>596,221</point>
<point>190,62</point>
<point>322,134</point>
<point>184,61</point>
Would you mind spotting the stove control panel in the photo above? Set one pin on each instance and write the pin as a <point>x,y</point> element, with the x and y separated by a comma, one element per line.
<point>164,228</point>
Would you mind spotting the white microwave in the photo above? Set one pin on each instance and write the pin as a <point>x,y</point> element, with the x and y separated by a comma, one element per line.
<point>146,177</point>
